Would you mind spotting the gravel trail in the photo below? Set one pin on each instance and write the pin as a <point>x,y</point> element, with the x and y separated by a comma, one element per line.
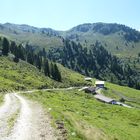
<point>10,106</point>
<point>32,122</point>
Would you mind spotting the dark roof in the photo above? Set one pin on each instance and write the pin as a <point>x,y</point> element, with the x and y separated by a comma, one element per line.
<point>90,89</point>
<point>103,98</point>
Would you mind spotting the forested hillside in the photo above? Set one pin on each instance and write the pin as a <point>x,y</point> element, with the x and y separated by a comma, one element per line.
<point>96,62</point>
<point>118,39</point>
<point>27,53</point>
<point>23,68</point>
<point>106,51</point>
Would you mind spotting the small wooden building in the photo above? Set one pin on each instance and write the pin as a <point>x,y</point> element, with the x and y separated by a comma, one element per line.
<point>88,79</point>
<point>83,88</point>
<point>91,90</point>
<point>100,84</point>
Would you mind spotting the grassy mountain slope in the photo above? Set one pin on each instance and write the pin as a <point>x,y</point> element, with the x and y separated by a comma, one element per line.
<point>117,39</point>
<point>131,96</point>
<point>86,118</point>
<point>21,76</point>
<point>44,38</point>
<point>71,78</point>
<point>96,62</point>
<point>79,115</point>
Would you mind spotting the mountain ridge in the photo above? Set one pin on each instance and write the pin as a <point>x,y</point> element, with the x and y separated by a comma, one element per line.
<point>57,30</point>
<point>118,39</point>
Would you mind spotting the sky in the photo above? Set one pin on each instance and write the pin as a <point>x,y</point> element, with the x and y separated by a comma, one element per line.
<point>65,14</point>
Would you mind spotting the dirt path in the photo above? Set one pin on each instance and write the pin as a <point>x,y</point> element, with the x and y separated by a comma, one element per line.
<point>10,107</point>
<point>30,123</point>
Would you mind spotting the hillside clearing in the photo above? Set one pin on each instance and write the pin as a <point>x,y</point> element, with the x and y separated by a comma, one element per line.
<point>23,76</point>
<point>130,95</point>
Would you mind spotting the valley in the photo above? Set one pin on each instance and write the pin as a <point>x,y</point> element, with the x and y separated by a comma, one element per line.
<point>115,44</point>
<point>75,115</point>
<point>81,114</point>
<point>42,70</point>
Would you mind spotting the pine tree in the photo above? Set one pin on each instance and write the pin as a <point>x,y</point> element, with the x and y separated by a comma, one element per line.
<point>52,70</point>
<point>16,53</point>
<point>57,74</point>
<point>13,47</point>
<point>5,46</point>
<point>21,52</point>
<point>46,68</point>
<point>38,61</point>
<point>30,58</point>
<point>44,53</point>
<point>16,59</point>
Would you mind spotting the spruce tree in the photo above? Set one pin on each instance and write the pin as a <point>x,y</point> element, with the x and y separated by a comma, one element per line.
<point>38,61</point>
<point>57,74</point>
<point>5,46</point>
<point>46,68</point>
<point>16,59</point>
<point>30,58</point>
<point>52,70</point>
<point>16,53</point>
<point>13,47</point>
<point>21,52</point>
<point>44,53</point>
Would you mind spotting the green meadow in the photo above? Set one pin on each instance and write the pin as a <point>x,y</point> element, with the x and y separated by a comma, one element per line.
<point>85,118</point>
<point>23,76</point>
<point>130,95</point>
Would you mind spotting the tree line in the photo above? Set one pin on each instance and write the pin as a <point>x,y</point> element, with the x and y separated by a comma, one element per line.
<point>96,62</point>
<point>27,53</point>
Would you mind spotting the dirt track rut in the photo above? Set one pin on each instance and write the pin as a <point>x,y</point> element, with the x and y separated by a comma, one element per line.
<point>30,123</point>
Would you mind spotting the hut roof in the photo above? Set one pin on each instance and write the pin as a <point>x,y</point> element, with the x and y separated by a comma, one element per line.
<point>103,98</point>
<point>99,82</point>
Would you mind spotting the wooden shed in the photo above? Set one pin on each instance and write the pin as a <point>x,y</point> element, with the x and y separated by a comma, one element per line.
<point>91,90</point>
<point>88,79</point>
<point>100,84</point>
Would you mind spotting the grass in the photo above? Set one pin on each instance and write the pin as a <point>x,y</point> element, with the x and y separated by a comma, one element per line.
<point>23,76</point>
<point>111,42</point>
<point>20,76</point>
<point>87,119</point>
<point>12,120</point>
<point>132,96</point>
<point>35,39</point>
<point>71,78</point>
<point>1,98</point>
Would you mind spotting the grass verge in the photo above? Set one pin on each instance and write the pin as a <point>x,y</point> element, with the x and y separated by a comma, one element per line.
<point>12,120</point>
<point>1,98</point>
